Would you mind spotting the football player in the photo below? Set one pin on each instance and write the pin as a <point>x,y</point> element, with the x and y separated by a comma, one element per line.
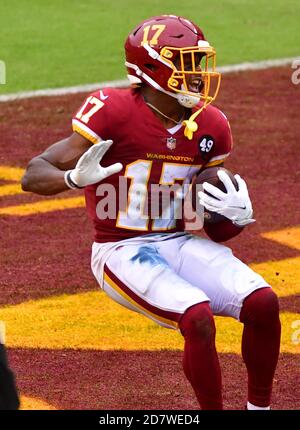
<point>164,130</point>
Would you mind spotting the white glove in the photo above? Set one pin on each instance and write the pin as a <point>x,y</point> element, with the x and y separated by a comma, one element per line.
<point>235,205</point>
<point>88,170</point>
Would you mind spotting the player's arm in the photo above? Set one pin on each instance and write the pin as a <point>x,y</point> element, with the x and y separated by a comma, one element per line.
<point>234,204</point>
<point>71,163</point>
<point>45,172</point>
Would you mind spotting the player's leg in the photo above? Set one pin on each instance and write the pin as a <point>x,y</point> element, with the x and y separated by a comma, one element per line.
<point>9,397</point>
<point>138,277</point>
<point>200,359</point>
<point>260,344</point>
<point>232,286</point>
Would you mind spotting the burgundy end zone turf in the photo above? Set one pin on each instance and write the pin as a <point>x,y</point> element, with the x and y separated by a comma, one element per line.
<point>135,380</point>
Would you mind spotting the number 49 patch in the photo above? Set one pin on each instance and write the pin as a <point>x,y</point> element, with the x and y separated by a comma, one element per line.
<point>206,144</point>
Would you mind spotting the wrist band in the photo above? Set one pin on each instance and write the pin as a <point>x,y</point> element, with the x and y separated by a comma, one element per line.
<point>71,184</point>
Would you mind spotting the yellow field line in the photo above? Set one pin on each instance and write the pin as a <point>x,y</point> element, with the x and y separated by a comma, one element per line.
<point>282,275</point>
<point>10,190</point>
<point>11,173</point>
<point>93,321</point>
<point>33,403</point>
<point>288,236</point>
<point>44,206</point>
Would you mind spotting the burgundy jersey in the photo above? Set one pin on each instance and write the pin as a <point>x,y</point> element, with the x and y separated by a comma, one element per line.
<point>150,154</point>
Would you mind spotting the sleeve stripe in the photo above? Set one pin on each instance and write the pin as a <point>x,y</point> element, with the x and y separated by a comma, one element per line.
<point>85,131</point>
<point>215,163</point>
<point>219,157</point>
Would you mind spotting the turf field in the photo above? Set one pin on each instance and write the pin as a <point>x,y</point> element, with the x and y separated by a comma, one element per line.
<point>62,43</point>
<point>60,328</point>
<point>57,319</point>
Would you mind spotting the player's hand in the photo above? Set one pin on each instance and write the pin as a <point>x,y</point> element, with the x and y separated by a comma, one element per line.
<point>234,204</point>
<point>88,169</point>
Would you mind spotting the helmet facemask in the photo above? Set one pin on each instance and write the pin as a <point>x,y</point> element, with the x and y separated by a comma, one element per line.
<point>194,77</point>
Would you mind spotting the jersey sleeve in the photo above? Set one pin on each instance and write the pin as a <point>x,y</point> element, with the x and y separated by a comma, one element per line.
<point>223,144</point>
<point>89,121</point>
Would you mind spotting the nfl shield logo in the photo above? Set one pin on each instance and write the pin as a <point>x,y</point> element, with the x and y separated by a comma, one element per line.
<point>171,143</point>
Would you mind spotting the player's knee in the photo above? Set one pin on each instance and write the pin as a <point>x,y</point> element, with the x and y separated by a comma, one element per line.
<point>198,321</point>
<point>261,307</point>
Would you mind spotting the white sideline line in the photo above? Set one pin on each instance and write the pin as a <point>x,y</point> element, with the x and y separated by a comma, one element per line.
<point>125,83</point>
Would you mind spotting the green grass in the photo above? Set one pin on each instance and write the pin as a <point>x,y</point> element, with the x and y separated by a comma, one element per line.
<point>53,43</point>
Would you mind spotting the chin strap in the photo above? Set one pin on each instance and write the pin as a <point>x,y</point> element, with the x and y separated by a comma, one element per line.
<point>190,124</point>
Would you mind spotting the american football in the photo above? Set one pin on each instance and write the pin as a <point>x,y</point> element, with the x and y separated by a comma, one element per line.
<point>210,175</point>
